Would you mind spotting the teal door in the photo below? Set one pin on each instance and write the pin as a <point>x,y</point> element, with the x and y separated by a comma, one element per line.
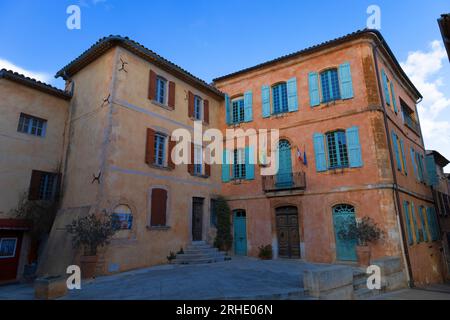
<point>284,175</point>
<point>240,232</point>
<point>343,217</point>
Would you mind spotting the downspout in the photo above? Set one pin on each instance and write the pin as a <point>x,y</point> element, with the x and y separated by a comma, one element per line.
<point>394,175</point>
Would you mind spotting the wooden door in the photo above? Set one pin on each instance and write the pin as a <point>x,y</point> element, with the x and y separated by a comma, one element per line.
<point>197,219</point>
<point>288,233</point>
<point>10,245</point>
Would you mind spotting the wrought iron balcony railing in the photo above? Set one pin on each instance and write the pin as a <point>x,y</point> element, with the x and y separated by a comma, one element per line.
<point>284,181</point>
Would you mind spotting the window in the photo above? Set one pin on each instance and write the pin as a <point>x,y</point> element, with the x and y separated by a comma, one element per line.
<point>280,99</point>
<point>158,207</point>
<point>160,149</point>
<point>8,247</point>
<point>239,164</point>
<point>409,117</point>
<point>161,89</point>
<point>47,186</point>
<point>330,85</point>
<point>122,218</point>
<point>198,103</point>
<point>337,150</point>
<point>32,125</point>
<point>198,161</point>
<point>424,222</point>
<point>399,151</point>
<point>238,110</point>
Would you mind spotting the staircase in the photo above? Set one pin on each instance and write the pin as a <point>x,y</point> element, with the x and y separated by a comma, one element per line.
<point>360,289</point>
<point>200,252</point>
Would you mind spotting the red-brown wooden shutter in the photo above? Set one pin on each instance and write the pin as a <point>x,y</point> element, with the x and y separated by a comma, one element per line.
<point>191,162</point>
<point>172,145</point>
<point>191,105</point>
<point>152,85</point>
<point>171,94</point>
<point>35,184</point>
<point>150,147</point>
<point>159,204</point>
<point>206,111</point>
<point>207,170</point>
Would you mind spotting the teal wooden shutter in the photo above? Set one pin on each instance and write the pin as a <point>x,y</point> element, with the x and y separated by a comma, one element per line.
<point>292,95</point>
<point>386,88</point>
<point>313,82</point>
<point>226,166</point>
<point>396,151</point>
<point>408,222</point>
<point>431,170</point>
<point>424,226</point>
<point>416,228</point>
<point>432,223</point>
<point>402,147</point>
<point>319,150</point>
<point>345,76</point>
<point>354,147</point>
<point>249,163</point>
<point>414,164</point>
<point>422,173</point>
<point>248,106</point>
<point>265,95</point>
<point>394,98</point>
<point>228,110</point>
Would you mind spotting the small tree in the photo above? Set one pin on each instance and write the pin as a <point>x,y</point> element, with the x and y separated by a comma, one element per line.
<point>224,239</point>
<point>365,232</point>
<point>91,232</point>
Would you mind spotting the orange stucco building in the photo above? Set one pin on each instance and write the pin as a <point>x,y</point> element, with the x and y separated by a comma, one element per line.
<point>350,147</point>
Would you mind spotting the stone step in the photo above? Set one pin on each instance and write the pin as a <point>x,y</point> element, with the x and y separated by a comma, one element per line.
<point>362,294</point>
<point>199,261</point>
<point>200,256</point>
<point>199,247</point>
<point>197,251</point>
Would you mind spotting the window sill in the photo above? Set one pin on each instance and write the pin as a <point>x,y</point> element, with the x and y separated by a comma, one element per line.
<point>164,106</point>
<point>158,228</point>
<point>203,122</point>
<point>203,176</point>
<point>155,166</point>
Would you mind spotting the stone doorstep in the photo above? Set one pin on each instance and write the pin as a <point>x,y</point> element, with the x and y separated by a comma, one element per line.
<point>50,288</point>
<point>327,278</point>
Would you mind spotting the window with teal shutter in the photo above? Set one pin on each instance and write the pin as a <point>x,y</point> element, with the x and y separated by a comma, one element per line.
<point>431,170</point>
<point>279,98</point>
<point>408,222</point>
<point>319,150</point>
<point>414,220</point>
<point>239,167</point>
<point>226,166</point>
<point>265,97</point>
<point>337,150</point>
<point>345,76</point>
<point>292,95</point>
<point>432,223</point>
<point>386,87</point>
<point>420,167</point>
<point>313,84</point>
<point>248,106</point>
<point>394,98</point>
<point>330,85</point>
<point>396,151</point>
<point>249,163</point>
<point>424,225</point>
<point>402,148</point>
<point>238,110</point>
<point>354,147</point>
<point>228,110</point>
<point>414,164</point>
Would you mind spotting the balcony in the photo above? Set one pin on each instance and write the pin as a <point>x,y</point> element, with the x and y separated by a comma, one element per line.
<point>409,120</point>
<point>284,182</point>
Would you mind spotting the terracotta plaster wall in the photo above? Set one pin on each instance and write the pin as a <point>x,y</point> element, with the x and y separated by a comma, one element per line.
<point>21,153</point>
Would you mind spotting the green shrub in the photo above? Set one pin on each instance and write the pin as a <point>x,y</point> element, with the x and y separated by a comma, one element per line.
<point>224,239</point>
<point>265,252</point>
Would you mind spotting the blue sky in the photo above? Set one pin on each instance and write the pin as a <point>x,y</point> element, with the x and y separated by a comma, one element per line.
<point>211,38</point>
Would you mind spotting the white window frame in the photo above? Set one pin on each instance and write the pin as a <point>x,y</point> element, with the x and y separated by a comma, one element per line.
<point>201,107</point>
<point>166,89</point>
<point>198,159</point>
<point>15,247</point>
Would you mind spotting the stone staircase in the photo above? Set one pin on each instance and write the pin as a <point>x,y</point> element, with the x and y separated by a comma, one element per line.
<point>360,290</point>
<point>200,252</point>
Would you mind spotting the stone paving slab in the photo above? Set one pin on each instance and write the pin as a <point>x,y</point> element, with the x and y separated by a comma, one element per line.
<point>240,278</point>
<point>414,294</point>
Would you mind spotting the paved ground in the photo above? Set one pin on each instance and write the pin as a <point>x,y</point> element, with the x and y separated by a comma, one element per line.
<point>239,278</point>
<point>434,292</point>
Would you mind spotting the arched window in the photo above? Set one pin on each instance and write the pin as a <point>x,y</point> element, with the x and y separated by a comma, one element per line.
<point>122,217</point>
<point>329,80</point>
<point>337,149</point>
<point>158,208</point>
<point>279,98</point>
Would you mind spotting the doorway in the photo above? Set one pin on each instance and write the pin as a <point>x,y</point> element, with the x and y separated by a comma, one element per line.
<point>240,232</point>
<point>343,217</point>
<point>288,232</point>
<point>197,219</point>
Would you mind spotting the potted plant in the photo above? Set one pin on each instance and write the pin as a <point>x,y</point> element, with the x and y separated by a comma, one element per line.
<point>265,252</point>
<point>365,232</point>
<point>89,233</point>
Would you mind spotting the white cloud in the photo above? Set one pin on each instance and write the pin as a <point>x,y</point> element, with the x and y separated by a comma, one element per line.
<point>434,111</point>
<point>41,76</point>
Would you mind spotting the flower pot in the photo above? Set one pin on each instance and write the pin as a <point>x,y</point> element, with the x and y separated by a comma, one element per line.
<point>88,265</point>
<point>363,254</point>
